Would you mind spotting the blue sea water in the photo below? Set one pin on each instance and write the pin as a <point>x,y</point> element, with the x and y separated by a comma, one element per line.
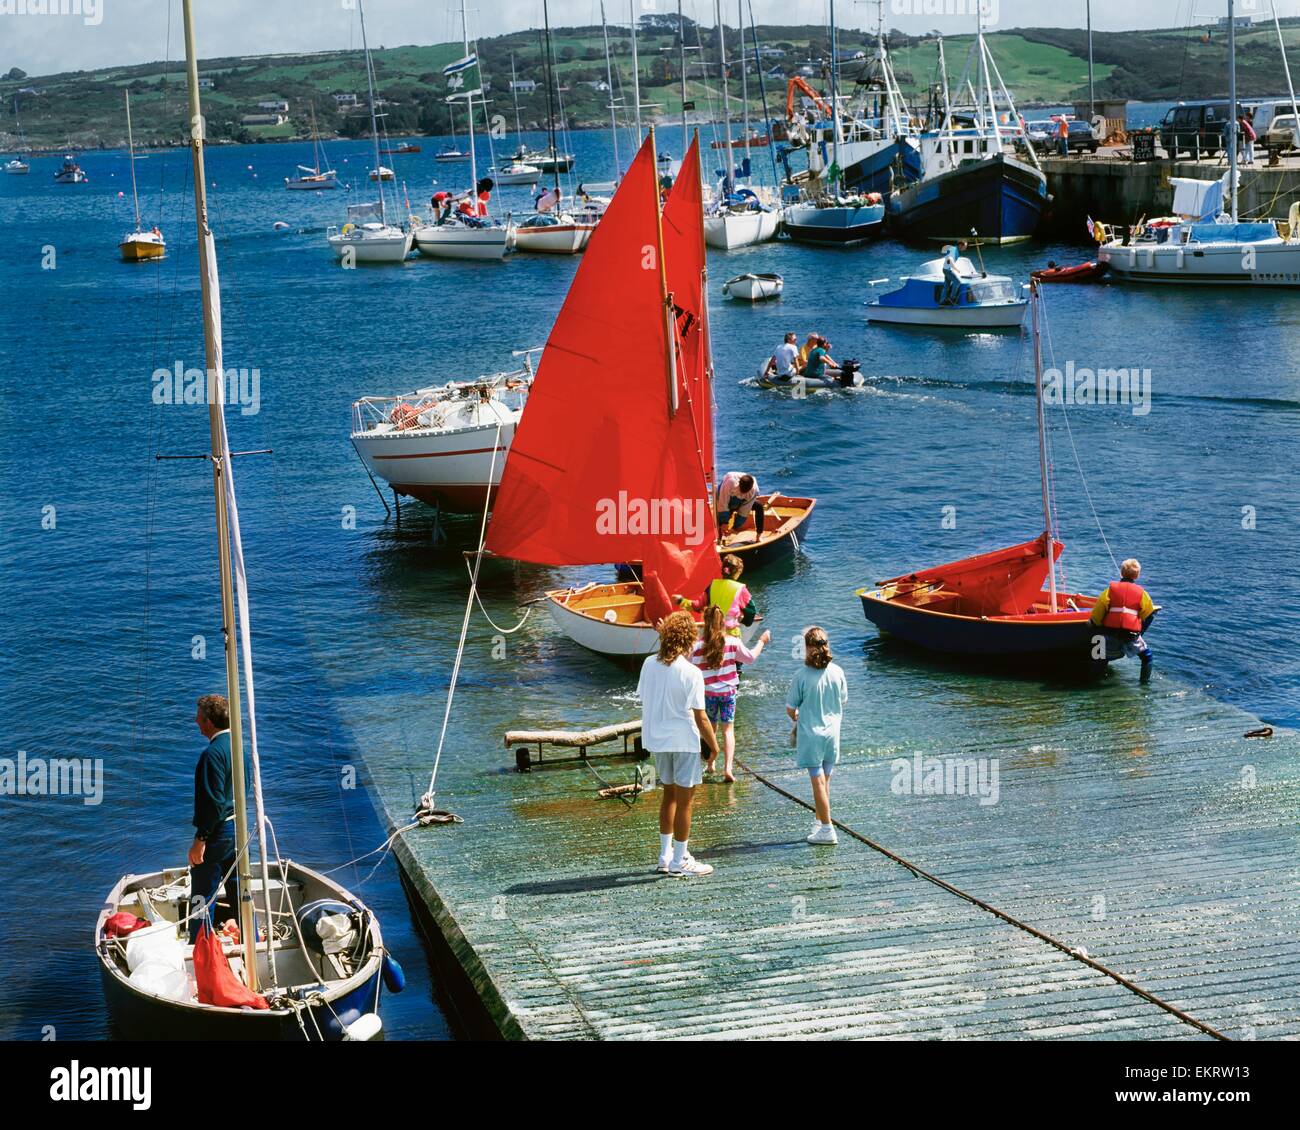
<point>109,584</point>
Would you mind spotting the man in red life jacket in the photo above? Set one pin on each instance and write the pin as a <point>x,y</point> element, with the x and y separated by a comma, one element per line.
<point>1124,609</point>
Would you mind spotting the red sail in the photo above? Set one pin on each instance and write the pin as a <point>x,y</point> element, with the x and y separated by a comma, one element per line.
<point>600,470</point>
<point>1005,582</point>
<point>684,255</point>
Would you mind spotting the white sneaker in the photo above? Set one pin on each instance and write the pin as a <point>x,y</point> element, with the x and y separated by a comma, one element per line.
<point>824,834</point>
<point>690,866</point>
<point>665,862</point>
<point>816,827</point>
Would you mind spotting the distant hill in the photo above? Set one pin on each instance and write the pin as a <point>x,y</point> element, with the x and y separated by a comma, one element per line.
<point>83,109</point>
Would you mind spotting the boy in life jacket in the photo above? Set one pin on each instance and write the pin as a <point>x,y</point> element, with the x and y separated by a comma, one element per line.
<point>1124,609</point>
<point>729,594</point>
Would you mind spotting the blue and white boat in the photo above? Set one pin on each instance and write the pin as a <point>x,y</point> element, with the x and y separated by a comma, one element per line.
<point>950,291</point>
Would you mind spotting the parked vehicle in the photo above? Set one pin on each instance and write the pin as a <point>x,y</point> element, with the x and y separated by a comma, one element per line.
<point>1198,128</point>
<point>1282,136</point>
<point>1040,134</point>
<point>1082,138</point>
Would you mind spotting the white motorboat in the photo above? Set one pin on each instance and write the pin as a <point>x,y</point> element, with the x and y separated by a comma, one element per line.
<point>754,288</point>
<point>553,234</point>
<point>381,173</point>
<point>517,172</point>
<point>367,237</point>
<point>70,172</point>
<point>445,445</point>
<point>464,237</point>
<point>950,291</point>
<point>17,166</point>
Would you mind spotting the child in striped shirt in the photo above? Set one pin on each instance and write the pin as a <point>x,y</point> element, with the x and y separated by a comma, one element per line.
<point>719,655</point>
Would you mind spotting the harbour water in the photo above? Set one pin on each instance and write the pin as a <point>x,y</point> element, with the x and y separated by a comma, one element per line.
<point>111,599</point>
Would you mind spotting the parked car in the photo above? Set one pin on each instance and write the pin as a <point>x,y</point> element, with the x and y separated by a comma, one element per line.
<point>1039,134</point>
<point>1282,136</point>
<point>1081,137</point>
<point>1198,128</point>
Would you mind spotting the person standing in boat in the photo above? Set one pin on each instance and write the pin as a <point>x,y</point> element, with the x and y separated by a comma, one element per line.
<point>1124,609</point>
<point>816,704</point>
<point>673,721</point>
<point>718,656</point>
<point>737,498</point>
<point>212,854</point>
<point>729,594</point>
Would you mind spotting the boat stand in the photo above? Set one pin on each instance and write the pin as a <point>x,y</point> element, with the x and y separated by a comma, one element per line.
<point>578,740</point>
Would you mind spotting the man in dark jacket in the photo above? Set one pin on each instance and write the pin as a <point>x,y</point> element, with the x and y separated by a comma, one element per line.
<point>212,854</point>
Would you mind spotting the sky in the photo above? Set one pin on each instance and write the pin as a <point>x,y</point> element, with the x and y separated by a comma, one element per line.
<point>99,33</point>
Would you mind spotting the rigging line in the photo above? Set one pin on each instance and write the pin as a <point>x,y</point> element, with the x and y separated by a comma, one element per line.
<point>1073,952</point>
<point>504,631</point>
<point>427,799</point>
<point>1083,478</point>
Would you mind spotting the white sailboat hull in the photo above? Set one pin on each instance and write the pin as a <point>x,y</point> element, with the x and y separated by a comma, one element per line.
<point>562,239</point>
<point>1271,263</point>
<point>727,230</point>
<point>391,246</point>
<point>451,241</point>
<point>312,184</point>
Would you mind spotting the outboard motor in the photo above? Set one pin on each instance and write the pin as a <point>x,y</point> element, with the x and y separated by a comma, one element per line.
<point>849,373</point>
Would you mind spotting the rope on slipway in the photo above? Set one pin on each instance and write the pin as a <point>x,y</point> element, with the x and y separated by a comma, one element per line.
<point>1070,951</point>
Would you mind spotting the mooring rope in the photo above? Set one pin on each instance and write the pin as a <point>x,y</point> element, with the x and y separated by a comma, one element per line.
<point>1070,951</point>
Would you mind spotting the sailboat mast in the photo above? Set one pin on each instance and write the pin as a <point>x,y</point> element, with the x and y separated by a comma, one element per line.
<point>609,81</point>
<point>469,106</point>
<point>670,344</point>
<point>548,73</point>
<point>681,51</point>
<point>514,90</point>
<point>130,146</point>
<point>744,81</point>
<point>726,97</point>
<point>986,80</point>
<point>374,122</point>
<point>216,406</point>
<point>835,94</point>
<point>636,70</point>
<point>1232,108</point>
<point>1048,537</point>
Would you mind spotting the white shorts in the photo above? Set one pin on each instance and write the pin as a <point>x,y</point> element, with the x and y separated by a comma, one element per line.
<point>685,770</point>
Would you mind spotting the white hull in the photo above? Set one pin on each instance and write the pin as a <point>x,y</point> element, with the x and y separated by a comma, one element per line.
<point>1002,316</point>
<point>312,184</point>
<point>563,239</point>
<point>451,241</point>
<point>17,169</point>
<point>754,288</point>
<point>1268,263</point>
<point>523,175</point>
<point>740,229</point>
<point>392,247</point>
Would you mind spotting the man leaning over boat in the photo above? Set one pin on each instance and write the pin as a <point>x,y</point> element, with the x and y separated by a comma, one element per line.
<point>212,854</point>
<point>1124,609</point>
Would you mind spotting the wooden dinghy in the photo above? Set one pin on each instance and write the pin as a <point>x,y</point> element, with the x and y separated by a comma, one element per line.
<point>786,526</point>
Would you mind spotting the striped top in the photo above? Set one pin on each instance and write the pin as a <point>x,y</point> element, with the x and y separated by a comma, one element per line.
<point>725,679</point>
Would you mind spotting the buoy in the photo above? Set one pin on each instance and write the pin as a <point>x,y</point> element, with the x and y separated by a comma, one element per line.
<point>366,1028</point>
<point>394,977</point>
<point>279,225</point>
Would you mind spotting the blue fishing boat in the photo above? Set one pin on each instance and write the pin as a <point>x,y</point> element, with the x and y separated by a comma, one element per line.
<point>842,220</point>
<point>951,291</point>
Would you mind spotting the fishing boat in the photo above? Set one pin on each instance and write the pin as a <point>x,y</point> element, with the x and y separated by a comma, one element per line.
<point>308,961</point>
<point>626,479</point>
<point>404,147</point>
<point>1004,605</point>
<point>138,244</point>
<point>471,232</point>
<point>754,288</point>
<point>739,217</point>
<point>552,230</point>
<point>16,166</point>
<point>445,445</point>
<point>70,172</point>
<point>958,178</point>
<point>367,235</point>
<point>315,178</point>
<point>751,139</point>
<point>970,298</point>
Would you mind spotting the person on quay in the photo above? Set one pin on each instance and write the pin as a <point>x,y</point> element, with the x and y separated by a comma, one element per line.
<point>1124,609</point>
<point>212,854</point>
<point>718,657</point>
<point>1247,137</point>
<point>729,594</point>
<point>673,721</point>
<point>783,365</point>
<point>737,498</point>
<point>1063,135</point>
<point>816,704</point>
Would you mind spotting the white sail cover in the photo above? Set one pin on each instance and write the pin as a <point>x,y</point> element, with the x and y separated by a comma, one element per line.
<point>1198,199</point>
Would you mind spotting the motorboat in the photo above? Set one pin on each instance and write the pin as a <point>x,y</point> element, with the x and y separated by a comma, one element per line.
<point>951,291</point>
<point>70,172</point>
<point>517,172</point>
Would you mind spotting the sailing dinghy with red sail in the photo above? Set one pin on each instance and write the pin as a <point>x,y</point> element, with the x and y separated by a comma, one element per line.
<point>1004,604</point>
<point>609,461</point>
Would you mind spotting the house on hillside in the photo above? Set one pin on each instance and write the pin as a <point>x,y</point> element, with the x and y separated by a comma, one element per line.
<point>207,83</point>
<point>345,101</point>
<point>523,86</point>
<point>274,106</point>
<point>276,119</point>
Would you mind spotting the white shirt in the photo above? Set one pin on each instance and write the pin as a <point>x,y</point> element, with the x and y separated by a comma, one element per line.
<point>729,488</point>
<point>668,695</point>
<point>785,358</point>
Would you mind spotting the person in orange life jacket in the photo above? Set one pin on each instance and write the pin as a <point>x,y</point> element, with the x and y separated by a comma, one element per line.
<point>1063,135</point>
<point>728,594</point>
<point>737,499</point>
<point>212,854</point>
<point>1124,610</point>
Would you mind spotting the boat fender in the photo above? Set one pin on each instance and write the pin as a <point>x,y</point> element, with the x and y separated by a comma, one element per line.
<point>394,977</point>
<point>369,1027</point>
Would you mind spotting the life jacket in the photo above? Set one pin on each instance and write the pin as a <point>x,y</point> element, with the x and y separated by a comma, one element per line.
<point>1125,610</point>
<point>724,593</point>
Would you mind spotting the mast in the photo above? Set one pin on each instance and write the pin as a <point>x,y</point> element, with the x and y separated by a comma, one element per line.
<point>374,122</point>
<point>670,344</point>
<point>1092,93</point>
<point>636,69</point>
<point>548,75</point>
<point>216,429</point>
<point>1232,108</point>
<point>1048,537</point>
<point>727,181</point>
<point>986,81</point>
<point>835,95</point>
<point>681,47</point>
<point>130,145</point>
<point>744,81</point>
<point>469,106</point>
<point>514,90</point>
<point>609,81</point>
